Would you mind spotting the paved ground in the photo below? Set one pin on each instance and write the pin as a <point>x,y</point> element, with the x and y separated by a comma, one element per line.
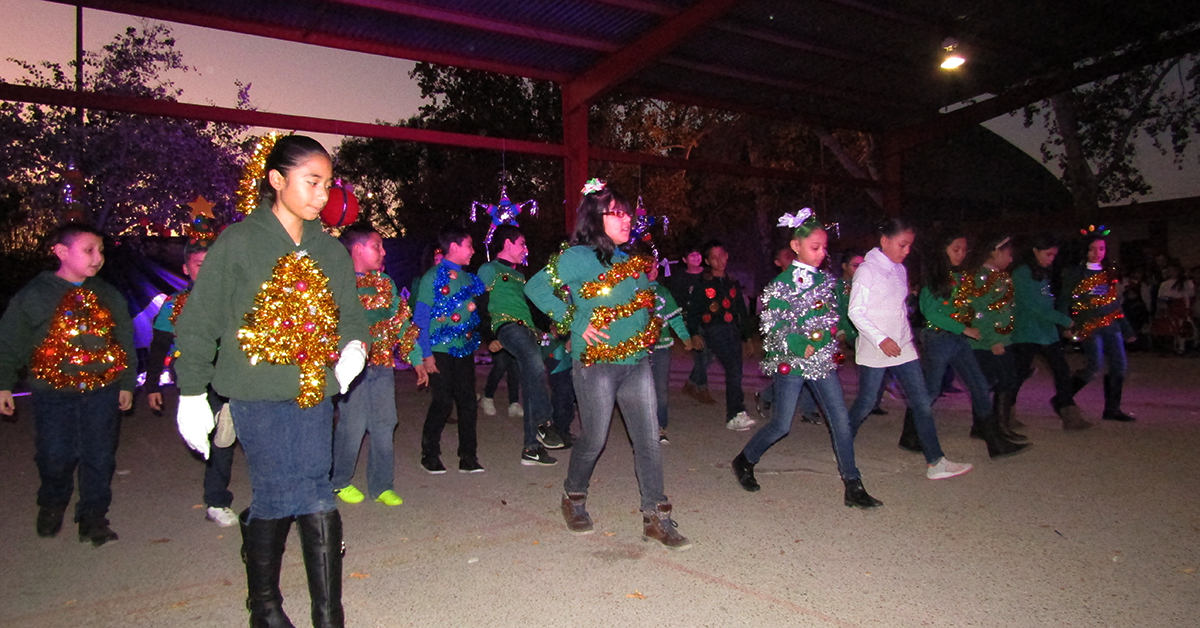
<point>1099,528</point>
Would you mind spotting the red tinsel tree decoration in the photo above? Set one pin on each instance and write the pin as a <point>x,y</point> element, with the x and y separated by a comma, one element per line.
<point>80,350</point>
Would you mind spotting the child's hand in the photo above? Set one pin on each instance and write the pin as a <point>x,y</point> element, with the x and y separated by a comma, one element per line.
<point>422,375</point>
<point>593,336</point>
<point>429,364</point>
<point>7,407</point>
<point>972,333</point>
<point>125,400</point>
<point>155,401</point>
<point>809,351</point>
<point>997,349</point>
<point>890,348</point>
<point>495,346</point>
<point>697,343</point>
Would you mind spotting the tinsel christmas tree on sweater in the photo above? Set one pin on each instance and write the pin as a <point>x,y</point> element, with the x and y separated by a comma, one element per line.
<point>80,350</point>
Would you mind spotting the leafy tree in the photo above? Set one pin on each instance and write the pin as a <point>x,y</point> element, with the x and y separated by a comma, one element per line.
<point>137,171</point>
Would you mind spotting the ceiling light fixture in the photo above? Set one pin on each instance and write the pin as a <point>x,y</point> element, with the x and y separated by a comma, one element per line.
<point>952,59</point>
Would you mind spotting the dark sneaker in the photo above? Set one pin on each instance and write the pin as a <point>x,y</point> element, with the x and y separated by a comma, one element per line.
<point>433,465</point>
<point>574,510</point>
<point>537,457</point>
<point>814,418</point>
<point>662,436</point>
<point>857,496</point>
<point>469,465</point>
<point>50,520</point>
<point>549,438</point>
<point>95,530</point>
<point>743,470</point>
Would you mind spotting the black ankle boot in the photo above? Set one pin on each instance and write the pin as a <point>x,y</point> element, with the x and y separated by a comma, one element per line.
<point>94,528</point>
<point>321,539</point>
<point>1113,387</point>
<point>50,520</point>
<point>857,496</point>
<point>263,542</point>
<point>909,441</point>
<point>997,445</point>
<point>1002,409</point>
<point>744,470</point>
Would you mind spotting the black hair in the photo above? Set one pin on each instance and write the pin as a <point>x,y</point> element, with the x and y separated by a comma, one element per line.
<point>289,151</point>
<point>451,234</point>
<point>427,256</point>
<point>936,270</point>
<point>849,254</point>
<point>893,226</point>
<point>67,233</point>
<point>807,228</point>
<point>589,222</point>
<point>980,255</point>
<point>502,234</point>
<point>193,248</point>
<point>707,248</point>
<point>1040,241</point>
<point>1180,277</point>
<point>1105,263</point>
<point>357,233</point>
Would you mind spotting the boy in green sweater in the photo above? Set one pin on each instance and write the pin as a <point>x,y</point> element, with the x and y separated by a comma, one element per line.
<point>74,333</point>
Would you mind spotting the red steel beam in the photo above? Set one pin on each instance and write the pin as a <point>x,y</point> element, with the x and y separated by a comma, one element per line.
<point>619,66</point>
<point>600,153</point>
<point>316,38</point>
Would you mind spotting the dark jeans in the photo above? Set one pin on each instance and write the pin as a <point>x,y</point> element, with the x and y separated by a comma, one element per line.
<point>942,349</point>
<point>660,367</point>
<point>726,343</point>
<point>562,396</point>
<point>522,343</point>
<point>1104,345</point>
<point>218,469</point>
<point>453,388</point>
<point>828,393</point>
<point>700,360</point>
<point>74,430</point>
<point>598,388</point>
<point>504,365</point>
<point>1023,354</point>
<point>369,407</point>
<point>1000,370</point>
<point>289,452</point>
<point>912,380</point>
<point>808,399</point>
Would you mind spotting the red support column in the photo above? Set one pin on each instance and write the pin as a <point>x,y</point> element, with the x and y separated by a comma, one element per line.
<point>575,139</point>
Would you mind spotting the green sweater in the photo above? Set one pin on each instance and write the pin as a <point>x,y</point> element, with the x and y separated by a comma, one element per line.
<point>238,264</point>
<point>799,311</point>
<point>446,312</point>
<point>388,318</point>
<point>1037,321</point>
<point>943,313</point>
<point>505,294</point>
<point>27,321</point>
<point>841,289</point>
<point>621,303</point>
<point>992,300</point>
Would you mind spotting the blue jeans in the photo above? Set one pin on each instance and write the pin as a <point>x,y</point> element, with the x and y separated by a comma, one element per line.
<point>369,407</point>
<point>504,365</point>
<point>1104,345</point>
<point>807,403</point>
<point>941,349</point>
<point>700,360</point>
<point>598,388</point>
<point>828,393</point>
<point>523,344</point>
<point>915,390</point>
<point>660,366</point>
<point>289,452</point>
<point>74,430</point>
<point>726,343</point>
<point>562,397</point>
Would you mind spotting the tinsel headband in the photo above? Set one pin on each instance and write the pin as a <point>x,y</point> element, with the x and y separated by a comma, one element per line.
<point>593,185</point>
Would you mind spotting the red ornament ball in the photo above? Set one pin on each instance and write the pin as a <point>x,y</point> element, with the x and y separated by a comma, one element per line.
<point>301,356</point>
<point>839,358</point>
<point>287,324</point>
<point>342,207</point>
<point>728,317</point>
<point>445,289</point>
<point>636,275</point>
<point>301,285</point>
<point>603,277</point>
<point>784,368</point>
<point>310,327</point>
<point>455,317</point>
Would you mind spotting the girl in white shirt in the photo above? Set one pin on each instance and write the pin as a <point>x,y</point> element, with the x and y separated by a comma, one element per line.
<point>878,309</point>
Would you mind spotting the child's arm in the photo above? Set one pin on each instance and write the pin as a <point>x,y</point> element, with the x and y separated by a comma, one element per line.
<point>15,345</point>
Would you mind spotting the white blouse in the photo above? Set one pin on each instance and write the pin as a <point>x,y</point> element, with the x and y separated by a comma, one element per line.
<point>879,310</point>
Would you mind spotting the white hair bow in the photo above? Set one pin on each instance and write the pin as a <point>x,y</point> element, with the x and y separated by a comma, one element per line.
<point>793,221</point>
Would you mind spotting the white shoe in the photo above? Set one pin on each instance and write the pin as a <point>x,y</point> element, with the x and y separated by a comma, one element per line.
<point>515,409</point>
<point>946,469</point>
<point>489,406</point>
<point>223,517</point>
<point>740,422</point>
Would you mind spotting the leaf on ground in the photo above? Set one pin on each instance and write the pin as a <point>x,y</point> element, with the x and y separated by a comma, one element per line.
<point>1188,570</point>
<point>610,534</point>
<point>360,576</point>
<point>197,506</point>
<point>160,541</point>
<point>535,543</point>
<point>636,594</point>
<point>179,605</point>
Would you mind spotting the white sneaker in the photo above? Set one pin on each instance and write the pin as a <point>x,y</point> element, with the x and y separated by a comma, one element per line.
<point>515,409</point>
<point>946,469</point>
<point>489,406</point>
<point>740,422</point>
<point>223,517</point>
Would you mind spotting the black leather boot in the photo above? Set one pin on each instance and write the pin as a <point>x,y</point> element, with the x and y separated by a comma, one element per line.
<point>1002,410</point>
<point>909,441</point>
<point>857,496</point>
<point>321,540</point>
<point>998,446</point>
<point>1113,386</point>
<point>94,528</point>
<point>50,520</point>
<point>744,470</point>
<point>263,542</point>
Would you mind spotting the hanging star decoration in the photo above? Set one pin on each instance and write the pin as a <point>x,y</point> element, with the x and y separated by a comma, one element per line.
<point>80,351</point>
<point>643,224</point>
<point>253,173</point>
<point>295,322</point>
<point>504,212</point>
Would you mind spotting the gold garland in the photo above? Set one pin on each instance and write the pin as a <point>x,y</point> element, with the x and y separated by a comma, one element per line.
<point>963,287</point>
<point>603,315</point>
<point>62,362</point>
<point>1080,303</point>
<point>383,290</point>
<point>177,306</point>
<point>1091,326</point>
<point>294,322</point>
<point>630,268</point>
<point>614,353</point>
<point>253,173</point>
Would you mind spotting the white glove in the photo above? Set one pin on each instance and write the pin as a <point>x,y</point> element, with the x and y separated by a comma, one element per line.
<point>354,358</point>
<point>196,421</point>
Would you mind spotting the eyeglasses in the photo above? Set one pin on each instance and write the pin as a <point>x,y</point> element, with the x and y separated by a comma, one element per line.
<point>616,212</point>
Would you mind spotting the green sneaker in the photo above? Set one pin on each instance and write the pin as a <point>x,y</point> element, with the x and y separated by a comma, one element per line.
<point>389,498</point>
<point>349,494</point>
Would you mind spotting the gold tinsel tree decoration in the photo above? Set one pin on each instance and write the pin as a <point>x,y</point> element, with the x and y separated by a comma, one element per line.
<point>80,350</point>
<point>294,322</point>
<point>253,173</point>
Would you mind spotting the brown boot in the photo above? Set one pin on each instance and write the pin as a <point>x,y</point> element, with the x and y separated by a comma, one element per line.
<point>658,525</point>
<point>575,513</point>
<point>1073,419</point>
<point>704,397</point>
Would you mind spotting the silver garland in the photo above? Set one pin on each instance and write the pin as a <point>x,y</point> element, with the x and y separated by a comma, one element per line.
<point>777,323</point>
